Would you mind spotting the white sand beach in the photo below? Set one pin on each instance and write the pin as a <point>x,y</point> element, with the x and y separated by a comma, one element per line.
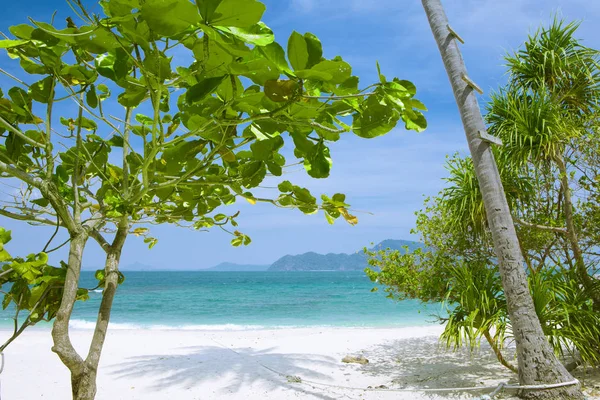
<point>199,365</point>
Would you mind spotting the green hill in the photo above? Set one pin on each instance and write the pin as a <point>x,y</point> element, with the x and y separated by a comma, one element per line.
<point>336,262</point>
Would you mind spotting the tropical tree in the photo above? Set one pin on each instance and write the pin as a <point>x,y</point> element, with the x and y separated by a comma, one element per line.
<point>458,268</point>
<point>548,114</point>
<point>537,363</point>
<point>170,109</point>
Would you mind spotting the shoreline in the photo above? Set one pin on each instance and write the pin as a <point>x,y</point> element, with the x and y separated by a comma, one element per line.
<point>254,364</point>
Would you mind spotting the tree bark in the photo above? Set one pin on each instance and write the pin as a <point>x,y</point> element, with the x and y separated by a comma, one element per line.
<point>584,277</point>
<point>84,382</point>
<point>60,329</point>
<point>537,363</point>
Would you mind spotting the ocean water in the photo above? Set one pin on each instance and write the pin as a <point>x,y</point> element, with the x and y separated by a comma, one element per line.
<point>248,300</point>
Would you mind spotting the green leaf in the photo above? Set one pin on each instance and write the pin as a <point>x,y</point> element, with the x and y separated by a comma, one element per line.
<point>104,92</point>
<point>91,97</point>
<point>169,17</point>
<point>49,58</point>
<point>113,66</point>
<point>375,120</point>
<point>253,173</point>
<point>339,70</point>
<point>33,68</point>
<point>285,187</point>
<point>119,8</point>
<point>22,31</point>
<point>318,165</point>
<point>9,44</point>
<point>275,53</point>
<point>258,34</point>
<point>264,149</point>
<point>297,51</point>
<point>237,13</point>
<point>315,75</point>
<point>207,8</point>
<point>132,96</point>
<point>415,121</point>
<point>42,91</point>
<point>96,41</point>
<point>315,49</point>
<point>203,89</point>
<point>5,236</point>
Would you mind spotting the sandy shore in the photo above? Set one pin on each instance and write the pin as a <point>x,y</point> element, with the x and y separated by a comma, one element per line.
<point>199,365</point>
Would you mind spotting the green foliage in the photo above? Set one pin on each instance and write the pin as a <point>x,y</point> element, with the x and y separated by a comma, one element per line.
<point>191,154</point>
<point>34,287</point>
<point>547,118</point>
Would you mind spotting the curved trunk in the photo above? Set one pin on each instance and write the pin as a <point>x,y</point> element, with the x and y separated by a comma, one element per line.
<point>498,353</point>
<point>537,363</point>
<point>584,277</point>
<point>60,329</point>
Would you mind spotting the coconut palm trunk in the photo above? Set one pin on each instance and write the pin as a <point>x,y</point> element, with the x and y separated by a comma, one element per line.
<point>537,363</point>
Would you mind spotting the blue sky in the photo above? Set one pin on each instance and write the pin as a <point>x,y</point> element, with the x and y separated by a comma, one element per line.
<point>386,177</point>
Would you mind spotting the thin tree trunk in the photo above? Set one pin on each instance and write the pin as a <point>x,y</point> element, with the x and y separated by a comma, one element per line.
<point>498,353</point>
<point>584,277</point>
<point>537,363</point>
<point>60,329</point>
<point>84,382</point>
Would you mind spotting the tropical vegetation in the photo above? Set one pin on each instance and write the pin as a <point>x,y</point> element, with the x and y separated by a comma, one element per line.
<point>162,112</point>
<point>547,119</point>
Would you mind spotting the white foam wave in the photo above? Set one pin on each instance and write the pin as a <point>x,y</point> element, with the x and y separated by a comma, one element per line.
<point>78,324</point>
<point>88,325</point>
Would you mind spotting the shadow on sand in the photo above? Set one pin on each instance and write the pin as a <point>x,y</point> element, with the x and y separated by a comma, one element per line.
<point>200,365</point>
<point>425,363</point>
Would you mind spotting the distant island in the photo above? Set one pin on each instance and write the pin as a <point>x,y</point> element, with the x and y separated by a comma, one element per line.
<point>310,261</point>
<point>336,262</point>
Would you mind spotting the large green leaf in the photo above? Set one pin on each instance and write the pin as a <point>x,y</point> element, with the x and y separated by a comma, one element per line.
<point>119,8</point>
<point>258,34</point>
<point>203,89</point>
<point>238,13</point>
<point>318,165</point>
<point>375,120</point>
<point>297,51</point>
<point>339,70</point>
<point>42,91</point>
<point>169,17</point>
<point>207,8</point>
<point>113,66</point>
<point>22,31</point>
<point>97,40</point>
<point>8,44</point>
<point>315,49</point>
<point>275,53</point>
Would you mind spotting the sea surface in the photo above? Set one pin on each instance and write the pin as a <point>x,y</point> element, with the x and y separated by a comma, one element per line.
<point>248,300</point>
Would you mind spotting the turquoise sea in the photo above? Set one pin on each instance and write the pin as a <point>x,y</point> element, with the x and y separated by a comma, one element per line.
<point>247,300</point>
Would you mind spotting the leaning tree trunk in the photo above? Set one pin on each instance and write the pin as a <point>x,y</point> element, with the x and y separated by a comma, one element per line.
<point>537,363</point>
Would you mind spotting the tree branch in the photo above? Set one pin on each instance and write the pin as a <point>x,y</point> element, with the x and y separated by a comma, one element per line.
<point>541,227</point>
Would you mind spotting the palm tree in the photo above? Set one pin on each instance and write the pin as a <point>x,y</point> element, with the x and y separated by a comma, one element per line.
<point>549,106</point>
<point>537,363</point>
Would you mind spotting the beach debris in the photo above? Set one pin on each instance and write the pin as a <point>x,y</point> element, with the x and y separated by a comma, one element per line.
<point>355,360</point>
<point>293,379</point>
